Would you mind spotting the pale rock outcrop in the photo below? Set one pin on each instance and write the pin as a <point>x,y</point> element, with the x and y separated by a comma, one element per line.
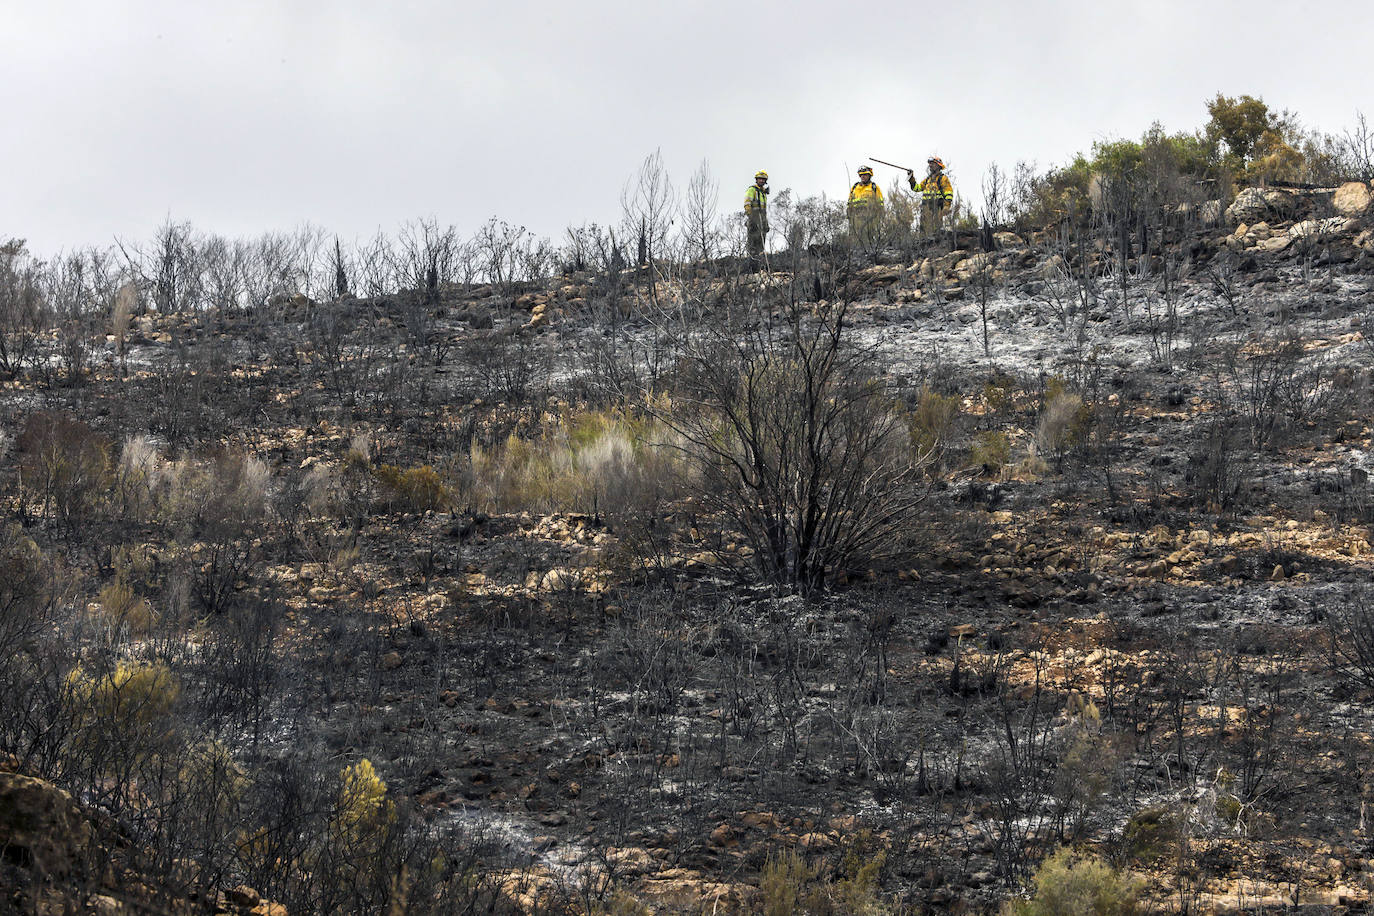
<point>41,825</point>
<point>1319,230</point>
<point>1353,199</point>
<point>1255,204</point>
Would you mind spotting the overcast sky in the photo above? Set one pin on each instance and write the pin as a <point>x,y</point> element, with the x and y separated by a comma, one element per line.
<point>246,117</point>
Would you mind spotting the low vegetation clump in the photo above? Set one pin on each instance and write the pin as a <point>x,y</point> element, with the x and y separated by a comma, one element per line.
<point>413,489</point>
<point>1070,884</point>
<point>791,885</point>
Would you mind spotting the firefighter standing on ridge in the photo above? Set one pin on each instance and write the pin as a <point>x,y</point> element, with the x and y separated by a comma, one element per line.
<point>865,207</point>
<point>937,193</point>
<point>756,216</point>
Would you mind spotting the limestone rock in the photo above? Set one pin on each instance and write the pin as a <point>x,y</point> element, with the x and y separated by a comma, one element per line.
<point>1261,203</point>
<point>881,274</point>
<point>105,905</point>
<point>817,842</point>
<point>724,835</point>
<point>560,579</point>
<point>969,268</point>
<point>41,824</point>
<point>243,895</point>
<point>1316,230</point>
<point>1352,199</point>
<point>631,861</point>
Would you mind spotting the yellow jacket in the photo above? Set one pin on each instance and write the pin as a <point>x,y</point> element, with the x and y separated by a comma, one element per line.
<point>863,196</point>
<point>755,198</point>
<point>935,187</point>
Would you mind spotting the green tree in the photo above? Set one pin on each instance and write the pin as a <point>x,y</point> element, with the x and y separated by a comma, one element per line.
<point>1259,144</point>
<point>1238,124</point>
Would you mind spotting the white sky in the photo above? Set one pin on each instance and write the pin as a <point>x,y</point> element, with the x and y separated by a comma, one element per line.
<point>248,117</point>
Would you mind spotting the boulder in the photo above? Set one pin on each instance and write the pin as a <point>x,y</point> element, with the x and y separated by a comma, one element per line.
<point>1317,230</point>
<point>1210,212</point>
<point>561,579</point>
<point>968,268</point>
<point>945,263</point>
<point>41,826</point>
<point>243,895</point>
<point>724,835</point>
<point>1254,204</point>
<point>1054,267</point>
<point>631,861</point>
<point>1352,199</point>
<point>881,274</point>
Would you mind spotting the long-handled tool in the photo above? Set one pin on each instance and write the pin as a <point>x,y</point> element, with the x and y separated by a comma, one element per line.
<point>893,164</point>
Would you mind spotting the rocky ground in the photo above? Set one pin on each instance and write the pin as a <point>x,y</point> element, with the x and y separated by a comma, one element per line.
<point>1120,638</point>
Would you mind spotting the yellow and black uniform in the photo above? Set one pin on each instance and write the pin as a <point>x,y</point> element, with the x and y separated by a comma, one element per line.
<point>756,213</point>
<point>865,207</point>
<point>937,194</point>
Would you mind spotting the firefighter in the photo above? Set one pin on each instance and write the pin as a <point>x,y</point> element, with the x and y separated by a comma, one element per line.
<point>865,207</point>
<point>756,216</point>
<point>937,193</point>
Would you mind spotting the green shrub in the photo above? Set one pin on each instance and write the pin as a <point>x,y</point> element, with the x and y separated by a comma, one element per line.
<point>417,489</point>
<point>1243,139</point>
<point>122,607</point>
<point>932,421</point>
<point>121,717</point>
<point>24,580</point>
<point>1070,884</point>
<point>999,393</point>
<point>362,809</point>
<point>1229,809</point>
<point>991,449</point>
<point>133,693</point>
<point>1151,833</point>
<point>790,886</point>
<point>1064,423</point>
